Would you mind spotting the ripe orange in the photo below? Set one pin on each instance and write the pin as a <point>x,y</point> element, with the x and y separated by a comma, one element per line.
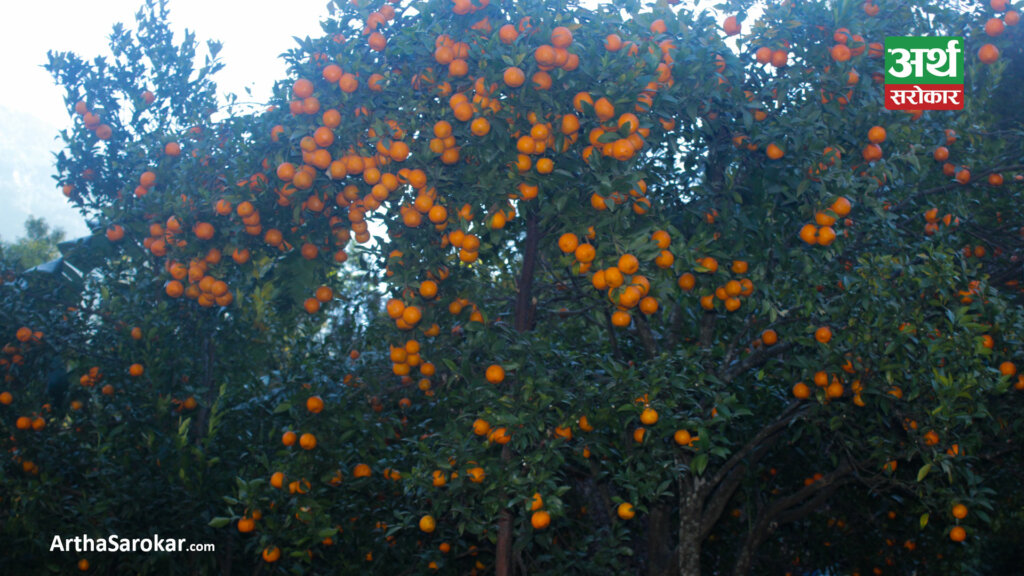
<point>871,153</point>
<point>271,554</point>
<point>649,416</point>
<point>514,77</point>
<point>682,437</point>
<point>476,474</point>
<point>769,337</point>
<point>801,391</point>
<point>823,334</point>
<point>540,519</point>
<point>315,404</point>
<point>958,534</point>
<point>561,37</point>
<point>1007,368</point>
<point>568,243</point>
<point>246,525</point>
<point>495,374</point>
<point>302,88</point>
<point>621,319</point>
<point>604,109</point>
<point>687,282</point>
<point>988,53</point>
<point>959,511</point>
<point>840,53</point>
<point>780,58</point>
<point>876,135</point>
<point>731,26</point>
<point>135,370</point>
<point>585,253</point>
<point>289,438</point>
<point>311,305</point>
<point>428,524</point>
<point>628,264</point>
<point>994,27</point>
<point>774,152</point>
<point>626,511</point>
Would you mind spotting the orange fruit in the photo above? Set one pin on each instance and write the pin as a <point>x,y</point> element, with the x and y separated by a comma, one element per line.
<point>959,511</point>
<point>514,77</point>
<point>994,27</point>
<point>876,135</point>
<point>302,88</point>
<point>495,374</point>
<point>958,534</point>
<point>628,264</point>
<point>840,53</point>
<point>1007,368</point>
<point>988,53</point>
<point>315,404</point>
<point>568,243</point>
<point>135,370</point>
<point>774,152</point>
<point>626,511</point>
<point>682,437</point>
<point>540,519</point>
<point>289,438</point>
<point>604,109</point>
<point>801,391</point>
<point>246,525</point>
<point>649,416</point>
<point>823,334</point>
<point>271,554</point>
<point>585,253</point>
<point>428,524</point>
<point>731,26</point>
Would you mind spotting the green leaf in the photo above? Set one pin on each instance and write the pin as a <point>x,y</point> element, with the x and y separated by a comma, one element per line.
<point>924,471</point>
<point>220,522</point>
<point>924,520</point>
<point>699,463</point>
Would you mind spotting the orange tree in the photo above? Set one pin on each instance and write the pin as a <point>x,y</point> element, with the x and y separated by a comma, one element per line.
<point>662,290</point>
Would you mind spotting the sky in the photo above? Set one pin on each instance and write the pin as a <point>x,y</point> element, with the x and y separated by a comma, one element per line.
<point>32,107</point>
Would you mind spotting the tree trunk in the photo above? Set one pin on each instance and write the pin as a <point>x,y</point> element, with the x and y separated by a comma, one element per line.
<point>688,551</point>
<point>503,565</point>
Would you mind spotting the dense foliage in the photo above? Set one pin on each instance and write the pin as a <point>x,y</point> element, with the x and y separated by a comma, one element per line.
<point>531,287</point>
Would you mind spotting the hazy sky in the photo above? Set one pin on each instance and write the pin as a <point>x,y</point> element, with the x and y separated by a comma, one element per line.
<point>253,36</point>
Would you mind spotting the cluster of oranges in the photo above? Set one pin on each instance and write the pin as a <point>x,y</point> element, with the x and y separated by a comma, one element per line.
<point>13,354</point>
<point>91,120</point>
<point>822,233</point>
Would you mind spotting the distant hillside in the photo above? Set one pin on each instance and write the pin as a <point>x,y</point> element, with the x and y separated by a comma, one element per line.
<point>27,187</point>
